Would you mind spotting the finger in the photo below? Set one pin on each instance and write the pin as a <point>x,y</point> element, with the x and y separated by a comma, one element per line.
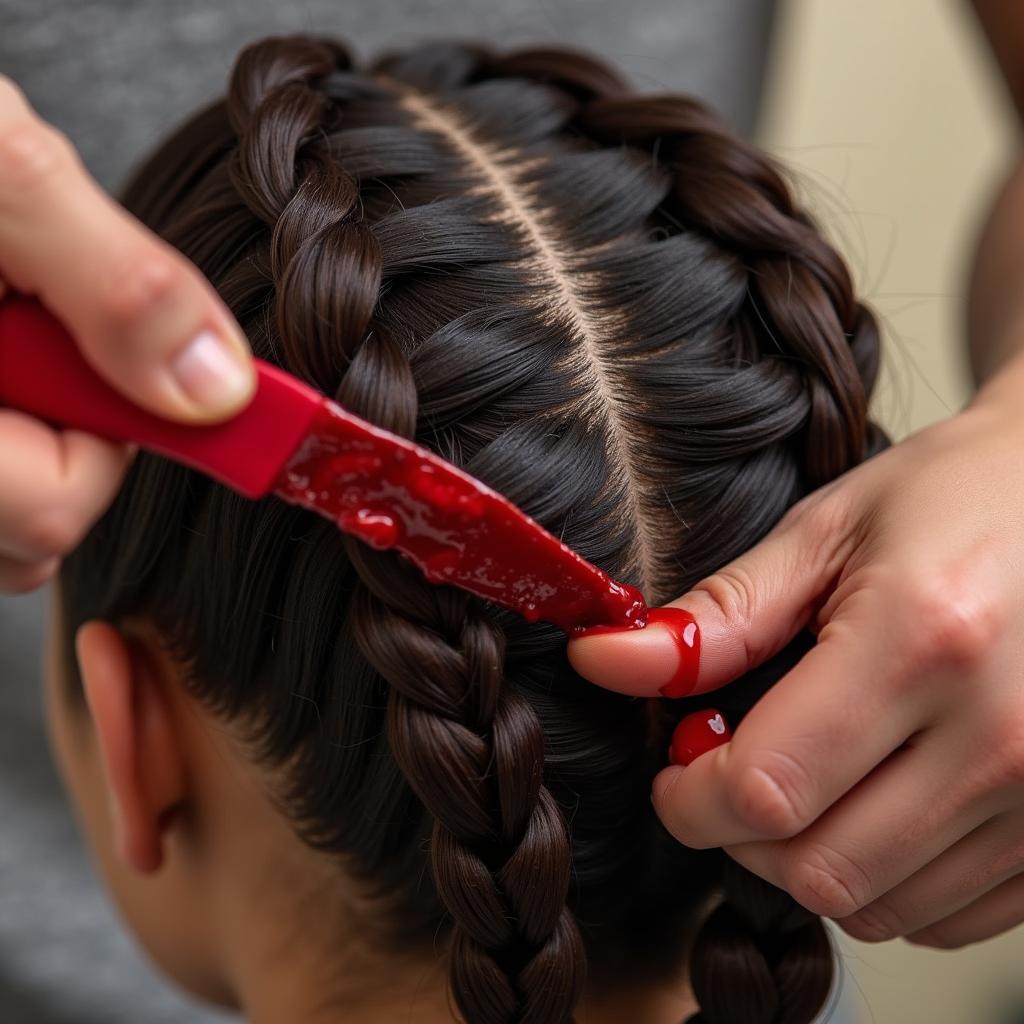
<point>745,613</point>
<point>22,577</point>
<point>903,816</point>
<point>808,740</point>
<point>979,862</point>
<point>996,912</point>
<point>144,316</point>
<point>55,485</point>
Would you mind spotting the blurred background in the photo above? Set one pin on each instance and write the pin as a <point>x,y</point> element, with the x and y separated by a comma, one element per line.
<point>895,120</point>
<point>896,125</point>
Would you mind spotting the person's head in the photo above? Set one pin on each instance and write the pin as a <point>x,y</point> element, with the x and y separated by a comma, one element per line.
<point>609,309</point>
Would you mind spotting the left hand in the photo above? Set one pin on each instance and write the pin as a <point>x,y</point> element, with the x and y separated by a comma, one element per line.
<point>881,780</point>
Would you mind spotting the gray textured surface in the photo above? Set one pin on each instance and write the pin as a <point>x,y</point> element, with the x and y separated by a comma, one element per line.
<point>115,75</point>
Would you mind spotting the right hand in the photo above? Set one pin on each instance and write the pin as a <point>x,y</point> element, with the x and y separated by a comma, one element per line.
<point>144,316</point>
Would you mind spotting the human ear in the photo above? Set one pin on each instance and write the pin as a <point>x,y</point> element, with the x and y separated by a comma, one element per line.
<point>142,759</point>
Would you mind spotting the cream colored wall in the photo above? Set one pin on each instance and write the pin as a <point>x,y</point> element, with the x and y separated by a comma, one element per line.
<point>892,113</point>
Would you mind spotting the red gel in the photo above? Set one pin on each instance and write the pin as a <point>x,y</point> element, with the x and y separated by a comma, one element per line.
<point>686,635</point>
<point>392,493</point>
<point>698,733</point>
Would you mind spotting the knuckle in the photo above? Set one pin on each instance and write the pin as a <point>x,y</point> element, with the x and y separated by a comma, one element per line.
<point>827,882</point>
<point>822,518</point>
<point>136,284</point>
<point>954,624</point>
<point>51,533</point>
<point>732,589</point>
<point>733,592</point>
<point>32,154</point>
<point>772,797</point>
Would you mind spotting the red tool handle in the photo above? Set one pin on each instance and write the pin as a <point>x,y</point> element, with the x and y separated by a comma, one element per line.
<point>43,373</point>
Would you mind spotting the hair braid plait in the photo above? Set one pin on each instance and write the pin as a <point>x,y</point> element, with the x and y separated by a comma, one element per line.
<point>473,751</point>
<point>325,263</point>
<point>471,748</point>
<point>802,305</point>
<point>759,957</point>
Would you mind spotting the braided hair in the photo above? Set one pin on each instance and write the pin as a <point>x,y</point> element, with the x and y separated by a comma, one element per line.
<point>605,306</point>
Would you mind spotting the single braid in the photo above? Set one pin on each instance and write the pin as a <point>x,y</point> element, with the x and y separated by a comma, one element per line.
<point>802,302</point>
<point>471,747</point>
<point>324,262</point>
<point>759,957</point>
<point>473,751</point>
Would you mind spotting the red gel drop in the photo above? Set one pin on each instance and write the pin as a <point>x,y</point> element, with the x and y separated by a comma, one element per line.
<point>698,733</point>
<point>392,493</point>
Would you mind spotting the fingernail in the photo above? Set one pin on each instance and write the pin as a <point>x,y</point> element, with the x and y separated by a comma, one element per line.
<point>686,636</point>
<point>698,733</point>
<point>212,373</point>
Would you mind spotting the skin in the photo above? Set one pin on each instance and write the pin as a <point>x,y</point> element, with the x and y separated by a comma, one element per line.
<point>881,781</point>
<point>212,878</point>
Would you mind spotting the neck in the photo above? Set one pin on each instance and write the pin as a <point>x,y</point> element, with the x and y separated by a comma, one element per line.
<point>292,944</point>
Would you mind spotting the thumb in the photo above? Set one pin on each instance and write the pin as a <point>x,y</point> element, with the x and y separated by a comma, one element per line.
<point>744,613</point>
<point>163,338</point>
<point>143,315</point>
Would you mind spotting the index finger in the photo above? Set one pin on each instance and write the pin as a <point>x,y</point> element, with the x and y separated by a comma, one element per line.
<point>809,740</point>
<point>144,316</point>
<point>744,613</point>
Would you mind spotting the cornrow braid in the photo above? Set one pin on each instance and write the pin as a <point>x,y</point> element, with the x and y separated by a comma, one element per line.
<point>471,749</point>
<point>801,298</point>
<point>500,850</point>
<point>760,936</point>
<point>325,264</point>
<point>612,311</point>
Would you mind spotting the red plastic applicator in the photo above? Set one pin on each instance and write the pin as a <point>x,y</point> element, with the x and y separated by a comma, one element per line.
<point>296,443</point>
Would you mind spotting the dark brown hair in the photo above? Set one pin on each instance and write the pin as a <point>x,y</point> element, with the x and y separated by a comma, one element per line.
<point>605,306</point>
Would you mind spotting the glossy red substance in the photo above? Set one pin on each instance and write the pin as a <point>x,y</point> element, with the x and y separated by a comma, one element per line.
<point>698,733</point>
<point>685,633</point>
<point>392,493</point>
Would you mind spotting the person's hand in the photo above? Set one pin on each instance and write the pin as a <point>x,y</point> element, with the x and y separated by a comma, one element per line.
<point>144,316</point>
<point>881,780</point>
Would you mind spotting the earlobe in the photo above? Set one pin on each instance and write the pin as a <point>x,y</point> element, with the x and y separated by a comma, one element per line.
<point>142,763</point>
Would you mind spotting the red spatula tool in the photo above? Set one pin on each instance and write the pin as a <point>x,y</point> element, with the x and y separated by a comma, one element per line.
<point>294,442</point>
